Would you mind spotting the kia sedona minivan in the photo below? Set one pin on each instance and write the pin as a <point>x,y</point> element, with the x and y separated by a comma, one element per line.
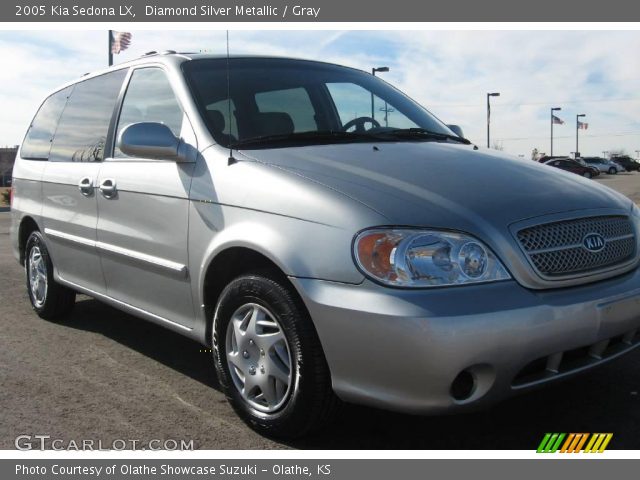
<point>329,238</point>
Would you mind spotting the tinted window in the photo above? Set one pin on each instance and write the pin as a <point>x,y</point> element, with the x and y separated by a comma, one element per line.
<point>83,127</point>
<point>353,101</point>
<point>295,102</point>
<point>149,98</point>
<point>281,98</point>
<point>37,143</point>
<point>220,109</point>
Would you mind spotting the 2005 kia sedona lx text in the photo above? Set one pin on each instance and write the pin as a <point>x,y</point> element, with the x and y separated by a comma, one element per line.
<point>326,249</point>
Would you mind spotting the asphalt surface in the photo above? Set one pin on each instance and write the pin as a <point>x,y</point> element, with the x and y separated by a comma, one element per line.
<point>625,183</point>
<point>104,375</point>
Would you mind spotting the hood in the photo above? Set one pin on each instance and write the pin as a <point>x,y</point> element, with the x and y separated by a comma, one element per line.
<point>442,184</point>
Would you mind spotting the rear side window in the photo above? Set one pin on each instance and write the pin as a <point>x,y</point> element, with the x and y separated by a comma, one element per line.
<point>150,98</point>
<point>37,143</point>
<point>82,131</point>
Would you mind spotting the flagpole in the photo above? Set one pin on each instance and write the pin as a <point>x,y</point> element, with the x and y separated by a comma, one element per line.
<point>110,51</point>
<point>577,130</point>
<point>551,154</point>
<point>554,109</point>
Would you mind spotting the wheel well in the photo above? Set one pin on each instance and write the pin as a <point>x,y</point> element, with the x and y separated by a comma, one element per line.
<point>230,264</point>
<point>27,226</point>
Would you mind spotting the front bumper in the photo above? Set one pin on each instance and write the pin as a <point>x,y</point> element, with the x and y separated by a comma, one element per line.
<point>403,349</point>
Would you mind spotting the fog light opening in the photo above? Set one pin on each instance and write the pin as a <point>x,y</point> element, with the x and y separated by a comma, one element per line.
<point>463,386</point>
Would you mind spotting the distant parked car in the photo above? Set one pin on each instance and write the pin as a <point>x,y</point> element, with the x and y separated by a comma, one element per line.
<point>572,166</point>
<point>604,165</point>
<point>546,158</point>
<point>628,163</point>
<point>595,171</point>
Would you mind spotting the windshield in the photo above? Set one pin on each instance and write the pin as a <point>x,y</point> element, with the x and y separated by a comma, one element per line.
<point>282,102</point>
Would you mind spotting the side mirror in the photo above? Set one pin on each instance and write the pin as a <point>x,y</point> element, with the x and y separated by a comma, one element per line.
<point>150,140</point>
<point>457,130</point>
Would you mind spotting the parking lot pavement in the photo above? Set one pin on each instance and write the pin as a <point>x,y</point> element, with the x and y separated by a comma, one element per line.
<point>627,183</point>
<point>104,375</point>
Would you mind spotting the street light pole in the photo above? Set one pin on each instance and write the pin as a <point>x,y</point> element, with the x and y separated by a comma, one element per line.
<point>578,117</point>
<point>373,72</point>
<point>604,153</point>
<point>554,109</point>
<point>489,95</point>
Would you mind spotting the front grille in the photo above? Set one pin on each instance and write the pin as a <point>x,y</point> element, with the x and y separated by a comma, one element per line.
<point>556,249</point>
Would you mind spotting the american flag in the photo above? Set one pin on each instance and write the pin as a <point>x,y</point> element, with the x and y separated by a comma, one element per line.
<point>557,120</point>
<point>120,41</point>
<point>582,125</point>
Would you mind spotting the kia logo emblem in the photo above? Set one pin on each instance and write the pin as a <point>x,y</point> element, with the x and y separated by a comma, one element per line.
<point>594,242</point>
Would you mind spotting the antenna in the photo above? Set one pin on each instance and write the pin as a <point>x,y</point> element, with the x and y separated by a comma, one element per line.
<point>231,159</point>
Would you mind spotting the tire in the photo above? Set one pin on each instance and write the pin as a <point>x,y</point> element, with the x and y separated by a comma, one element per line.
<point>283,330</point>
<point>49,299</point>
<point>612,171</point>
<point>587,175</point>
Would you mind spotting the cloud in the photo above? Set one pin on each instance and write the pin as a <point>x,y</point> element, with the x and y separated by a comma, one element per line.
<point>450,72</point>
<point>533,71</point>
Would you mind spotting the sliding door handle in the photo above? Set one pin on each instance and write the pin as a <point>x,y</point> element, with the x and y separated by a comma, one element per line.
<point>85,185</point>
<point>108,188</point>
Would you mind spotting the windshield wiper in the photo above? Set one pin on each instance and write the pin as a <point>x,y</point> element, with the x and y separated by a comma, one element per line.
<point>424,134</point>
<point>315,136</point>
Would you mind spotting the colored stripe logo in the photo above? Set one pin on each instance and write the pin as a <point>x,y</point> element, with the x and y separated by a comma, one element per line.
<point>574,443</point>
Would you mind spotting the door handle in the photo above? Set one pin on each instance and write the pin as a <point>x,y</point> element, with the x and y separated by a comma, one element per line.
<point>85,185</point>
<point>108,188</point>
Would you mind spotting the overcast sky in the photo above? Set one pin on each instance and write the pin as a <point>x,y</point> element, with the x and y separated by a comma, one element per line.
<point>594,72</point>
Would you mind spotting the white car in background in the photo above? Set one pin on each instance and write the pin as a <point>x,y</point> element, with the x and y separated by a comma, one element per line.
<point>604,165</point>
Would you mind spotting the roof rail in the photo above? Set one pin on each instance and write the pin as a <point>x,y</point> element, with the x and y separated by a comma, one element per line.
<point>155,52</point>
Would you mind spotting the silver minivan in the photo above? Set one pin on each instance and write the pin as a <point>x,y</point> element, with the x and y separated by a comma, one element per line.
<point>329,239</point>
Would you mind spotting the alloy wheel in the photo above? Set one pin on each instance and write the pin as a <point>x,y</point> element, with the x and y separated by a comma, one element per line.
<point>259,358</point>
<point>37,277</point>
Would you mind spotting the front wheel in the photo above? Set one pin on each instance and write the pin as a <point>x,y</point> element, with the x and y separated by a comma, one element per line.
<point>269,359</point>
<point>49,299</point>
<point>587,174</point>
<point>612,171</point>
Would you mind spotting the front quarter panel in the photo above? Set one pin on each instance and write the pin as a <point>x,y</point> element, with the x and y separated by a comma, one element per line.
<point>303,227</point>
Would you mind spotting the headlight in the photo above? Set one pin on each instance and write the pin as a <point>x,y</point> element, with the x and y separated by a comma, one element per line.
<point>425,258</point>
